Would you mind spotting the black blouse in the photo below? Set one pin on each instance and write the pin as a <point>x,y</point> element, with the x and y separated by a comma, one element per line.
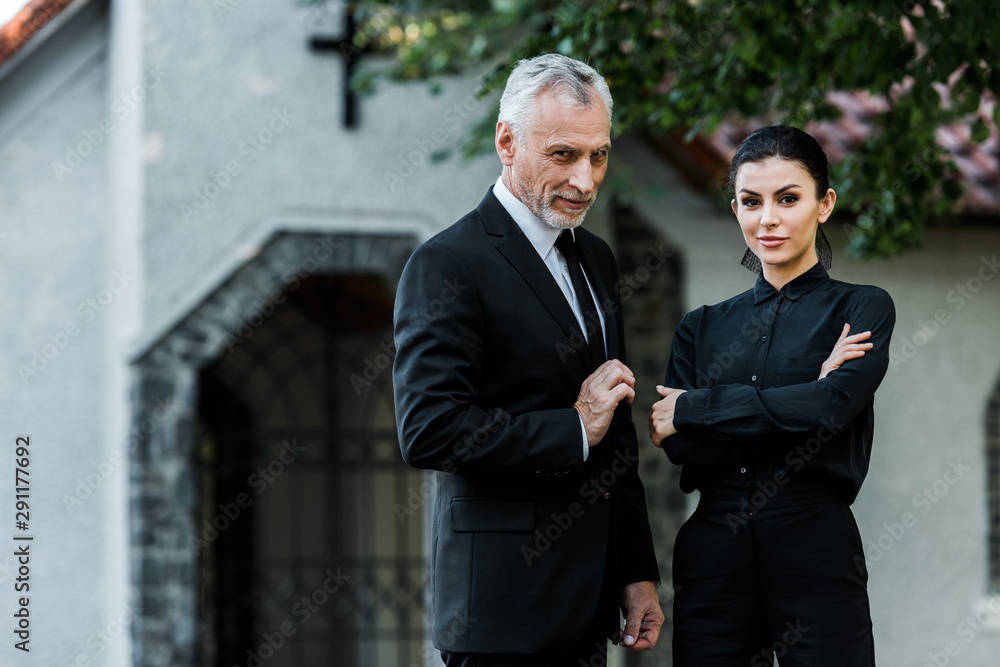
<point>755,410</point>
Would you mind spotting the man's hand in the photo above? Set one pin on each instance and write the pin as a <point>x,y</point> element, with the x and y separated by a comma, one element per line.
<point>643,616</point>
<point>599,396</point>
<point>661,417</point>
<point>847,347</point>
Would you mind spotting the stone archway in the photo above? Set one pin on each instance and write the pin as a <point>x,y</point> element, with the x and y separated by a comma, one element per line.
<point>163,478</point>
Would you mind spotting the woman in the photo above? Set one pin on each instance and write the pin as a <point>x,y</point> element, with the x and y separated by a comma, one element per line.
<point>775,430</point>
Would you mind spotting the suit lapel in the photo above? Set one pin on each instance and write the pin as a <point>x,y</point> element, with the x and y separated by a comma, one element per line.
<point>518,251</point>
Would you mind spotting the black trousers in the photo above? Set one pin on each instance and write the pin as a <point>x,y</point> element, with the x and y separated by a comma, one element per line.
<point>787,582</point>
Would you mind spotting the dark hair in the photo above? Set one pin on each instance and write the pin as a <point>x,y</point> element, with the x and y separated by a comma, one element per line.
<point>789,143</point>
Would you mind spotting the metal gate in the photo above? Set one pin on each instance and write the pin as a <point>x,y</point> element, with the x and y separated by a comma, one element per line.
<point>311,530</point>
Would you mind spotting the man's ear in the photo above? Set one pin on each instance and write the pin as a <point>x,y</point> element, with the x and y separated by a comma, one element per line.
<point>506,143</point>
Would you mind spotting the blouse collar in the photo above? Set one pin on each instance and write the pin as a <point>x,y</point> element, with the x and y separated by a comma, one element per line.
<point>808,281</point>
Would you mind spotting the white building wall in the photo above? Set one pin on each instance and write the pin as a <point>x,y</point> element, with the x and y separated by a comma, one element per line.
<point>62,289</point>
<point>243,89</point>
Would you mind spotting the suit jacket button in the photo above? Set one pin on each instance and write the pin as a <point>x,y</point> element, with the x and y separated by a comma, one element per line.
<point>604,493</point>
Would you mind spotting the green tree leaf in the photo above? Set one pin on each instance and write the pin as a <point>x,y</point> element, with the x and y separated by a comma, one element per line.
<point>684,67</point>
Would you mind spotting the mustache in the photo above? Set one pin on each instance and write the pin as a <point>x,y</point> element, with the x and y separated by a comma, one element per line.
<point>578,197</point>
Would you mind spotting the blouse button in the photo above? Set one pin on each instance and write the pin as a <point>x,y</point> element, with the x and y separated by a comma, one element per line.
<point>763,339</point>
<point>743,470</point>
<point>753,379</point>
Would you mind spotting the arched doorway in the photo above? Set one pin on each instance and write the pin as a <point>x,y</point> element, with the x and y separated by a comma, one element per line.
<point>303,560</point>
<point>265,505</point>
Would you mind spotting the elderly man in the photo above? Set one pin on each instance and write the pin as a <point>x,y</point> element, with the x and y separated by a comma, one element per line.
<point>517,391</point>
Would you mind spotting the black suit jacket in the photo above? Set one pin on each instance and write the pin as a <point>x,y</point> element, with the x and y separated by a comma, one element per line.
<point>489,361</point>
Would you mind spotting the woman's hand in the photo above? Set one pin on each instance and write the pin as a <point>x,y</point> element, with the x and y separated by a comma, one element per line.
<point>661,417</point>
<point>847,347</point>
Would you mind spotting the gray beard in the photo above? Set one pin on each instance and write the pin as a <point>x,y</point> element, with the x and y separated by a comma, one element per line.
<point>545,212</point>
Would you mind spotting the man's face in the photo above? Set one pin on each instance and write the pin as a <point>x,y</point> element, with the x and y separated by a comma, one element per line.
<point>558,164</point>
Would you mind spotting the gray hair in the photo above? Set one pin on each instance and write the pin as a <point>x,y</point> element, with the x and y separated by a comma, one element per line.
<point>570,80</point>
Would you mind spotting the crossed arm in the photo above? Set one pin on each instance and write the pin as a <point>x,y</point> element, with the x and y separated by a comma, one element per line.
<point>711,425</point>
<point>661,417</point>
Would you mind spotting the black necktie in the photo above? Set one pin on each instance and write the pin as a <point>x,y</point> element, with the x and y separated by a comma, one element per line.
<point>595,335</point>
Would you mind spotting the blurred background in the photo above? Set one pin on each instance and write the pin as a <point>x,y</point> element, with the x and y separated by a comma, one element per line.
<point>205,206</point>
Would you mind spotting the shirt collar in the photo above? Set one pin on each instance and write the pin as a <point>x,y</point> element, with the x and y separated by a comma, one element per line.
<point>808,281</point>
<point>541,236</point>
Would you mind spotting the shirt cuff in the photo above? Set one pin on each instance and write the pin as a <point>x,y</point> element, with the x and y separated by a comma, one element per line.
<point>689,410</point>
<point>583,430</point>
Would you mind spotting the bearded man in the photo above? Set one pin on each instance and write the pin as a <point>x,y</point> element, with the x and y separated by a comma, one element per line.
<point>518,393</point>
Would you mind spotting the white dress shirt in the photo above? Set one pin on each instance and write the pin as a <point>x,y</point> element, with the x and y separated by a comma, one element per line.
<point>543,238</point>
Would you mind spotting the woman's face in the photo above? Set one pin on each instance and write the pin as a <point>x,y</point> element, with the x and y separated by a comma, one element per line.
<point>778,211</point>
